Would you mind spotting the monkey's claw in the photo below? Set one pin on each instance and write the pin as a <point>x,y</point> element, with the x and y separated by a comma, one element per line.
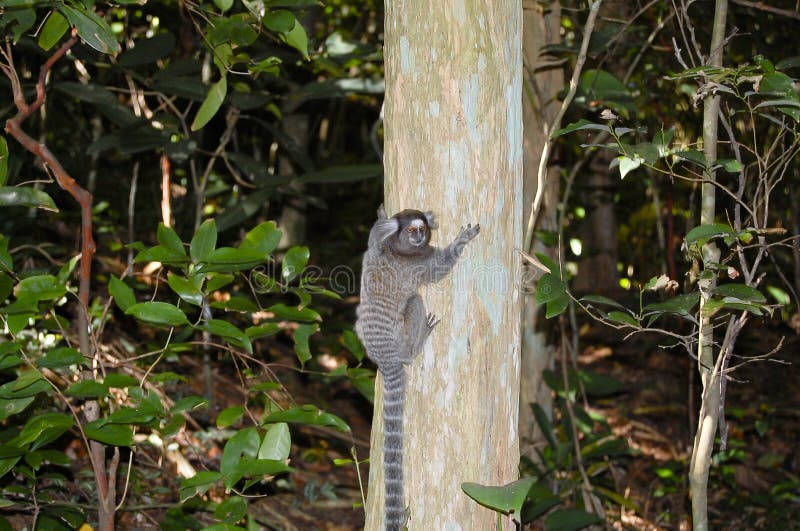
<point>433,321</point>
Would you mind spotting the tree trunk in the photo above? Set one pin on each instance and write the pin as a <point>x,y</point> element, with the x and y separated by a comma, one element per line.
<point>539,107</point>
<point>454,145</point>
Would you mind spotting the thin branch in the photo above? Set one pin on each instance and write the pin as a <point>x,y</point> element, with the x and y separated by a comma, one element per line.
<point>541,176</point>
<point>763,6</point>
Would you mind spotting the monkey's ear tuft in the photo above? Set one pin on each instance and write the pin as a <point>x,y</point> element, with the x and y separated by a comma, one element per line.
<point>386,227</point>
<point>430,218</point>
<point>382,212</point>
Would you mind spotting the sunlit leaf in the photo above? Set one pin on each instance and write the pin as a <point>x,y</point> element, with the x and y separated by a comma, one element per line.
<point>506,499</point>
<point>25,196</point>
<point>307,414</point>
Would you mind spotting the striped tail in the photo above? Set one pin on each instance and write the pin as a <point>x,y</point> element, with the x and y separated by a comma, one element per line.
<point>394,395</point>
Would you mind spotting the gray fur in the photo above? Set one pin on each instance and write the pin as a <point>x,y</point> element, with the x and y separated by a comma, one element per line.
<point>393,324</point>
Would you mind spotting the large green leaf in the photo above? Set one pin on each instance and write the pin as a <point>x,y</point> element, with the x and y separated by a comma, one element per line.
<point>277,443</point>
<point>212,103</point>
<point>294,261</point>
<point>199,484</point>
<point>158,313</point>
<point>54,28</point>
<point>92,29</point>
<point>549,288</point>
<point>113,434</point>
<point>570,520</point>
<point>25,196</point>
<point>149,50</point>
<point>187,289</point>
<point>203,241</point>
<point>301,335</point>
<point>60,357</point>
<point>122,293</point>
<point>506,499</point>
<point>261,239</point>
<point>307,414</point>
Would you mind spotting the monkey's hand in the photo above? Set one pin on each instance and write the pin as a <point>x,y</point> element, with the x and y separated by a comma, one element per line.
<point>382,212</point>
<point>467,234</point>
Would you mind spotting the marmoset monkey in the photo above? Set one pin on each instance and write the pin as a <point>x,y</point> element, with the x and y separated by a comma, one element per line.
<point>393,324</point>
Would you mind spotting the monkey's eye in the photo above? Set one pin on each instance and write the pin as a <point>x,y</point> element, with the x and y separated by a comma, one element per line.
<point>410,229</point>
<point>422,228</point>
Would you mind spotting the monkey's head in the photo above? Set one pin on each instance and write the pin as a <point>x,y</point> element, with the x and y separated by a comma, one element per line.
<point>408,233</point>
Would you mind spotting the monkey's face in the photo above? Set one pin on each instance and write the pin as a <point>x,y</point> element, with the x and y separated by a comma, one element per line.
<point>413,233</point>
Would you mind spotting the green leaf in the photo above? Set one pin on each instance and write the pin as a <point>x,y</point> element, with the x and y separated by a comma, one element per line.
<point>158,313</point>
<point>228,331</point>
<point>549,288</point>
<point>662,140</point>
<point>120,381</point>
<point>581,125</point>
<point>54,28</point>
<point>218,280</point>
<point>169,239</point>
<point>279,21</point>
<point>730,165</point>
<point>60,357</point>
<point>507,499</point>
<point>739,293</point>
<point>13,406</point>
<point>188,403</point>
<point>198,485</point>
<point>557,306</point>
<point>187,289</point>
<point>545,425</point>
<point>248,467</point>
<point>277,443</point>
<point>598,87</point>
<point>307,414</point>
<point>597,384</point>
<point>623,318</point>
<point>212,103</point>
<point>113,434</point>
<point>627,165</point>
<point>87,389</point>
<point>599,299</point>
<point>130,415</point>
<point>293,314</point>
<point>40,288</point>
<point>223,5</point>
<point>570,520</point>
<point>694,156</point>
<point>680,305</point>
<point>294,261</point>
<point>159,253</point>
<point>122,293</point>
<point>709,231</point>
<point>42,429</point>
<point>298,39</point>
<point>301,335</point>
<point>262,330</point>
<point>234,508</point>
<point>92,29</point>
<point>261,239</point>
<point>244,442</point>
<point>540,500</point>
<point>146,51</point>
<point>229,416</point>
<point>25,196</point>
<point>351,342</point>
<point>204,241</point>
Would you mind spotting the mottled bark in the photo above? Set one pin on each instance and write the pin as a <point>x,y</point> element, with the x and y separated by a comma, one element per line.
<point>453,144</point>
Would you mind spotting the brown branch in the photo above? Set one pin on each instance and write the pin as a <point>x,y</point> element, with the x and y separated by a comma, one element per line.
<point>84,199</point>
<point>769,9</point>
